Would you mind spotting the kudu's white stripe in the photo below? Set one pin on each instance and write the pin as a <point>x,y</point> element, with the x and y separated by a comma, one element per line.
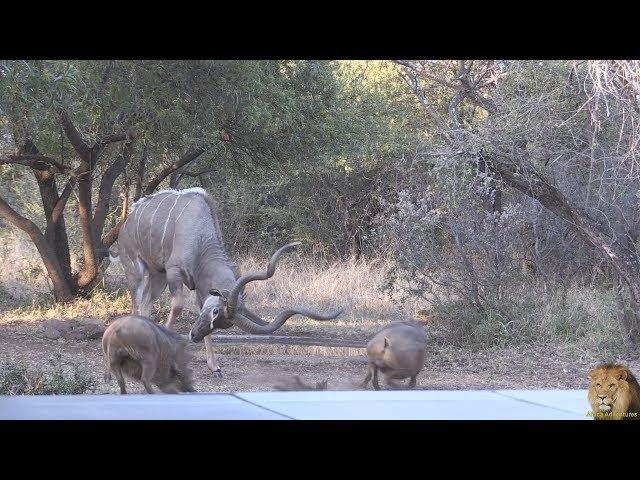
<point>164,230</point>
<point>173,240</point>
<point>151,223</point>
<point>142,209</point>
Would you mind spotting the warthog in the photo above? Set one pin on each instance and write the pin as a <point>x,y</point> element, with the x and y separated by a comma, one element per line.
<point>173,238</point>
<point>398,351</point>
<point>297,385</point>
<point>150,353</point>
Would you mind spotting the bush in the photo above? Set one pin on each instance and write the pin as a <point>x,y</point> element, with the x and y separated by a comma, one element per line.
<point>585,317</point>
<point>18,379</point>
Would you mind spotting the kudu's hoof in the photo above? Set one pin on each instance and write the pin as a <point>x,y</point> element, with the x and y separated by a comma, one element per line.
<point>218,373</point>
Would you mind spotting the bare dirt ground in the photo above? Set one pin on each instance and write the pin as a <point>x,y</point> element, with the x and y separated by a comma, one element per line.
<point>260,367</point>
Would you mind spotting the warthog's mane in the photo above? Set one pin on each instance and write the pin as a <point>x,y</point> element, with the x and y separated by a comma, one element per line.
<point>169,334</point>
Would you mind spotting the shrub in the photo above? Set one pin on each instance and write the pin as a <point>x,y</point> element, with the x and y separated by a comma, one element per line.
<point>18,379</point>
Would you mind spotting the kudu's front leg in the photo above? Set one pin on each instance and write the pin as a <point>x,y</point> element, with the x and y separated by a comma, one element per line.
<point>212,361</point>
<point>177,298</point>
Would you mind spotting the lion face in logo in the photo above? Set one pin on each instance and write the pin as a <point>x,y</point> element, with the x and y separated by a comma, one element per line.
<point>610,391</point>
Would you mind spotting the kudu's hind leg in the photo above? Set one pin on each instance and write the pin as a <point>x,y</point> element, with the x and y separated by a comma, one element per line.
<point>135,280</point>
<point>157,284</point>
<point>139,288</point>
<point>212,361</point>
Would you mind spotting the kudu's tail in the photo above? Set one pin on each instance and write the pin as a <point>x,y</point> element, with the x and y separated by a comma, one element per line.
<point>105,252</point>
<point>114,259</point>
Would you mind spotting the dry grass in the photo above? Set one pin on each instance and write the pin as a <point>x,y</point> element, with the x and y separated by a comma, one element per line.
<point>101,305</point>
<point>276,349</point>
<point>352,286</point>
<point>582,317</point>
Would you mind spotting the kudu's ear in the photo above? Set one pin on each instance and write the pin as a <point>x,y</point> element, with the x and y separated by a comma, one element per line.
<point>217,293</point>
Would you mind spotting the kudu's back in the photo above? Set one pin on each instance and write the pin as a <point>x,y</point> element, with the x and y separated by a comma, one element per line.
<point>171,228</point>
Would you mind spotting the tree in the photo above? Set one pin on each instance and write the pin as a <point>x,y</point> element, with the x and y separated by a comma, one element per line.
<point>562,133</point>
<point>101,126</point>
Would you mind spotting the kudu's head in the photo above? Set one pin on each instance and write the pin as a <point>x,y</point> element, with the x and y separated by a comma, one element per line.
<point>225,308</point>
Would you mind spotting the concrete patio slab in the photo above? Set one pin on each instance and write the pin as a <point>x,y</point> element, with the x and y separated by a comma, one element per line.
<point>316,405</point>
<point>132,407</point>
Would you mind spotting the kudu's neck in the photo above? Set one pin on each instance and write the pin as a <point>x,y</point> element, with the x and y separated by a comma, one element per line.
<point>213,270</point>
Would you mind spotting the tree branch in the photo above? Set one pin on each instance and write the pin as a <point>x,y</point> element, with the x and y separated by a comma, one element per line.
<point>112,235</point>
<point>37,162</point>
<point>106,187</point>
<point>74,136</point>
<point>187,158</point>
<point>113,138</point>
<point>56,214</point>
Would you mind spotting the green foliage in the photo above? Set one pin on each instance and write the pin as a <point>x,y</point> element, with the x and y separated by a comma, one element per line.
<point>321,134</point>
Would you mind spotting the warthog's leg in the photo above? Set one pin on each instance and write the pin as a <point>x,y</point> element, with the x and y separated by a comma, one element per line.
<point>174,278</point>
<point>148,369</point>
<point>170,388</point>
<point>212,361</point>
<point>115,368</point>
<point>393,384</point>
<point>412,382</point>
<point>376,385</point>
<point>368,377</point>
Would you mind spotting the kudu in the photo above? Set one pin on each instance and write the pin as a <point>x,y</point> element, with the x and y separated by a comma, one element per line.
<point>173,238</point>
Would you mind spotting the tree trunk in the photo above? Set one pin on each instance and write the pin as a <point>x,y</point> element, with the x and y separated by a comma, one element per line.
<point>58,239</point>
<point>140,174</point>
<point>49,196</point>
<point>63,292</point>
<point>90,267</point>
<point>618,248</point>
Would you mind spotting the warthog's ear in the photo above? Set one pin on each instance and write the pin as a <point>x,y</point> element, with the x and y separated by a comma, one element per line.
<point>386,342</point>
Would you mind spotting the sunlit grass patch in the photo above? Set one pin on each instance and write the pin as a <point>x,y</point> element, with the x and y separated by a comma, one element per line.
<point>101,305</point>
